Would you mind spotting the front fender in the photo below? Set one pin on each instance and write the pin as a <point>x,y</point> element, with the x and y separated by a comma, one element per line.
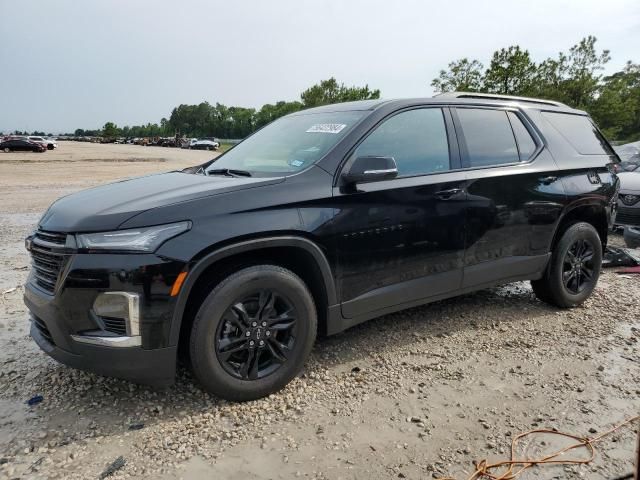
<point>244,247</point>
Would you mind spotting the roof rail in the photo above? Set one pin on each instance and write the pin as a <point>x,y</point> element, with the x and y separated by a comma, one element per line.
<point>492,96</point>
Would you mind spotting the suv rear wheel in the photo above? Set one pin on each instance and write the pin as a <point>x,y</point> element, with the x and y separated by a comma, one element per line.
<point>574,268</point>
<point>253,333</point>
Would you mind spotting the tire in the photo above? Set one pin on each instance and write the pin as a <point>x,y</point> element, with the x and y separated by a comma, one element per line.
<point>220,327</point>
<point>574,268</point>
<point>49,147</point>
<point>6,149</point>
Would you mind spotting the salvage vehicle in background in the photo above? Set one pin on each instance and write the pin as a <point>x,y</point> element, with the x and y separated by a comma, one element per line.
<point>204,144</point>
<point>49,143</point>
<point>21,145</point>
<point>630,165</point>
<point>628,215</point>
<point>317,222</point>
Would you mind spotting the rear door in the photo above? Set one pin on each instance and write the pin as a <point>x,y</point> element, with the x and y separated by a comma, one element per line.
<point>402,240</point>
<point>514,195</point>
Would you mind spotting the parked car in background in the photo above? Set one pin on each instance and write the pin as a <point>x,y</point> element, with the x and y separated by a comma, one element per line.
<point>628,150</point>
<point>320,221</point>
<point>629,199</point>
<point>629,154</point>
<point>204,144</point>
<point>632,237</point>
<point>630,165</point>
<point>167,142</point>
<point>21,145</point>
<point>49,143</point>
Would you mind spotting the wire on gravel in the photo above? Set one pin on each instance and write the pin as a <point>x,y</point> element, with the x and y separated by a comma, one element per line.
<point>518,466</point>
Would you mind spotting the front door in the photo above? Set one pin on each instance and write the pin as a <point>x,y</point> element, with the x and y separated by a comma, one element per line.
<point>401,241</point>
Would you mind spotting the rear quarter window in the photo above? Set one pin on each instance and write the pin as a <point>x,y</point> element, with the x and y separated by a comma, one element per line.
<point>526,145</point>
<point>580,132</point>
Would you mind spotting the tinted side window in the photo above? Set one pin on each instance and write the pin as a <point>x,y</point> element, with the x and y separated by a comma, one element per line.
<point>488,137</point>
<point>417,139</point>
<point>579,132</point>
<point>526,144</point>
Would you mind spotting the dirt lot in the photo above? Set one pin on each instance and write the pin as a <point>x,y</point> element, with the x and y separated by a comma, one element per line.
<point>417,394</point>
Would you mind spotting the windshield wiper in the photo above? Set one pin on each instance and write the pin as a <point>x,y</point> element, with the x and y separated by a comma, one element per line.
<point>229,172</point>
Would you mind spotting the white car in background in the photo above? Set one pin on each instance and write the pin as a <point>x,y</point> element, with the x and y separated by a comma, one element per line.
<point>50,143</point>
<point>204,144</point>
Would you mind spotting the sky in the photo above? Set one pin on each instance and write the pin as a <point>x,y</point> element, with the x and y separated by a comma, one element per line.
<point>67,64</point>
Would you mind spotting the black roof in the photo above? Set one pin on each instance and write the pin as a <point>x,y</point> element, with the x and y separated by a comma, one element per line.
<point>461,98</point>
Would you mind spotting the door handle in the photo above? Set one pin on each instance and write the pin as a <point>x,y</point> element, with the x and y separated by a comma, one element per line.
<point>448,194</point>
<point>548,180</point>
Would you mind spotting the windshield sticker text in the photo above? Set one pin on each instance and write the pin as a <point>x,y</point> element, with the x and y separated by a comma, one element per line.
<point>326,128</point>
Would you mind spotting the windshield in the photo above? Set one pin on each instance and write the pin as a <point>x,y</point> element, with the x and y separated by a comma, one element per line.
<point>289,144</point>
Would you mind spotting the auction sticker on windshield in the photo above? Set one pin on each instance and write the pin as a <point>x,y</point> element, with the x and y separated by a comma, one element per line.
<point>326,128</point>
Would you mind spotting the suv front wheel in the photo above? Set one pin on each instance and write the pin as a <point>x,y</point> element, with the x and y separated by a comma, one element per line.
<point>574,268</point>
<point>253,333</point>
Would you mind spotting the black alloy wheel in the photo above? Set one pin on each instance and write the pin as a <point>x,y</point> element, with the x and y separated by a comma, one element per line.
<point>573,269</point>
<point>256,335</point>
<point>253,332</point>
<point>578,267</point>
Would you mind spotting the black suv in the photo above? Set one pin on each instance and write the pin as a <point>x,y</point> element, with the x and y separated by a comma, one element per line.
<point>321,220</point>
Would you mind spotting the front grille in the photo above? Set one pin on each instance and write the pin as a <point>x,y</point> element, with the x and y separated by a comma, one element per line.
<point>42,328</point>
<point>628,216</point>
<point>47,258</point>
<point>52,237</point>
<point>115,325</point>
<point>629,199</point>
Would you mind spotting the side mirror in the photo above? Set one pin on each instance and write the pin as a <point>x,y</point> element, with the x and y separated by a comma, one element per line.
<point>370,169</point>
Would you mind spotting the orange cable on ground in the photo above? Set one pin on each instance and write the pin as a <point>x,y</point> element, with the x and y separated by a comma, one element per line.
<point>483,468</point>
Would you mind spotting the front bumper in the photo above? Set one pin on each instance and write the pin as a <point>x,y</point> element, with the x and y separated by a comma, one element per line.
<point>152,367</point>
<point>66,327</point>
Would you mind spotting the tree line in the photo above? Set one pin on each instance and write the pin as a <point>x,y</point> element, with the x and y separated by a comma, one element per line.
<point>574,78</point>
<point>206,120</point>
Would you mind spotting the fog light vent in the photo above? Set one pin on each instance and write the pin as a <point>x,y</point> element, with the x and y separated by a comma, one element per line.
<point>115,325</point>
<point>119,311</point>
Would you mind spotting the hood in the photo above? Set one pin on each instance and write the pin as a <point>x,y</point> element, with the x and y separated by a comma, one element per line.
<point>629,181</point>
<point>108,206</point>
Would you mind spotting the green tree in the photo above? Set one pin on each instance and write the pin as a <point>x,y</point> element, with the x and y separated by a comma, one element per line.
<point>268,113</point>
<point>510,72</point>
<point>548,80</point>
<point>110,130</point>
<point>617,106</point>
<point>583,66</point>
<point>462,76</point>
<point>330,91</point>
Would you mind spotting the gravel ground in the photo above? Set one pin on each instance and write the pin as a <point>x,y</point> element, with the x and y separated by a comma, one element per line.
<point>417,394</point>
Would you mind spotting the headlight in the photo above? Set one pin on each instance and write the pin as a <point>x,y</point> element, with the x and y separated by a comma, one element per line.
<point>146,239</point>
